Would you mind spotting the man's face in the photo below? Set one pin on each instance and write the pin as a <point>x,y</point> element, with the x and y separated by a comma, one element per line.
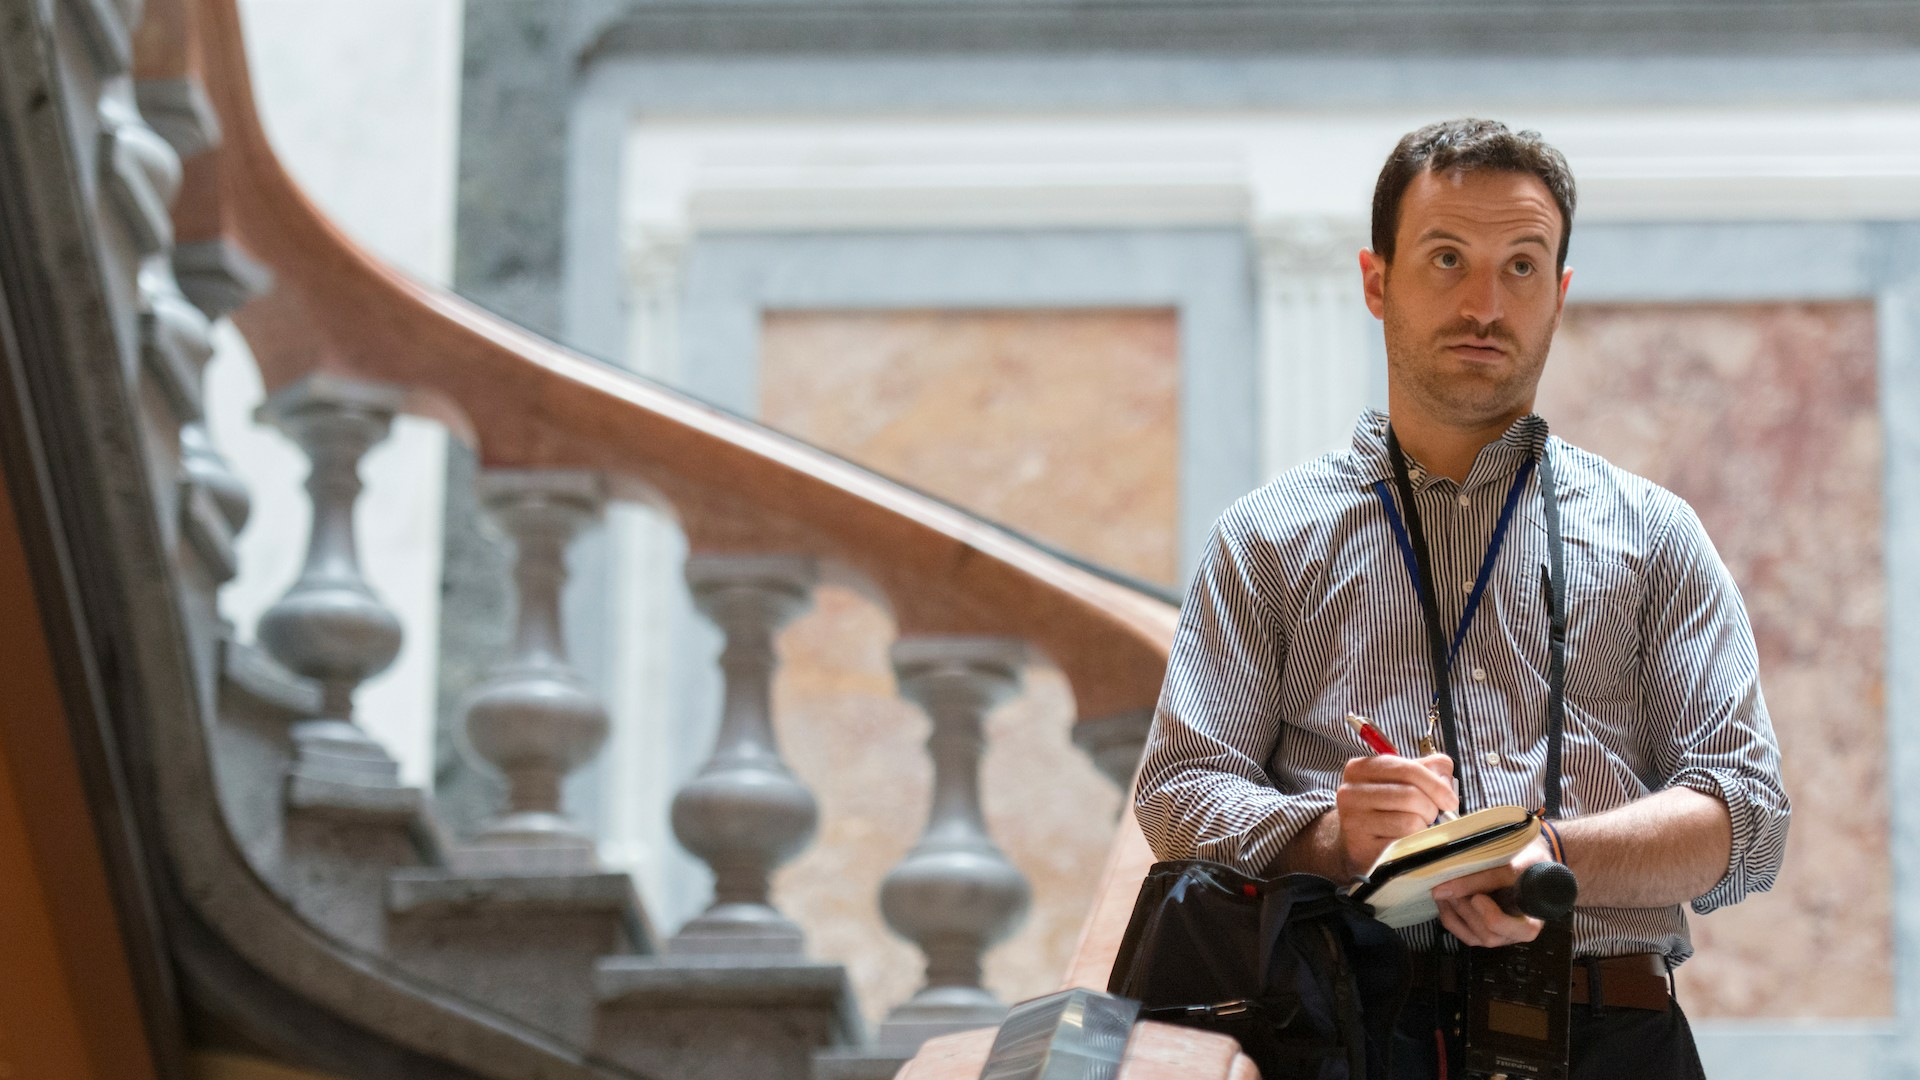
<point>1470,300</point>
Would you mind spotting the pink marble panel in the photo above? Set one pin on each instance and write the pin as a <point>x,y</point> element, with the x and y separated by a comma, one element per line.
<point>1765,418</point>
<point>1063,424</point>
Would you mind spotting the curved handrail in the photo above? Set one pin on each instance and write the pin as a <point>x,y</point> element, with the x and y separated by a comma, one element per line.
<point>733,484</point>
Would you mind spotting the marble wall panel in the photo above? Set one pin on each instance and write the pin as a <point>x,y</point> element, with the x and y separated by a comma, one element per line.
<point>1062,424</point>
<point>1765,418</point>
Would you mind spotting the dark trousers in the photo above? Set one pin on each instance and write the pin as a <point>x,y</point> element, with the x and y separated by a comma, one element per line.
<point>1605,1044</point>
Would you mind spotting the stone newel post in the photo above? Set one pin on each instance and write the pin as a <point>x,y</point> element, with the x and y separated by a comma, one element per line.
<point>745,813</point>
<point>329,626</point>
<point>955,894</point>
<point>534,718</point>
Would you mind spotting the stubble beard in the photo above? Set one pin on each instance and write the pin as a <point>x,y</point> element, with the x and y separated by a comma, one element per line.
<point>1417,361</point>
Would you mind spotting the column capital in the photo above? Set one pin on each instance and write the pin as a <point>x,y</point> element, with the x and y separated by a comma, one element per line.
<point>654,253</point>
<point>1309,244</point>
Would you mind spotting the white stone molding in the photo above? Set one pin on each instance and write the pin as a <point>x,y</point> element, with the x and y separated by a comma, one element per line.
<point>955,894</point>
<point>1830,161</point>
<point>745,812</point>
<point>1314,376</point>
<point>534,719</point>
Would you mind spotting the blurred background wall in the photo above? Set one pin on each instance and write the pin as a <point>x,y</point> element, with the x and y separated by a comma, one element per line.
<point>1090,271</point>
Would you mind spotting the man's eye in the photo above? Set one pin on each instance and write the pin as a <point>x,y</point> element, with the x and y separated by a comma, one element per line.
<point>1447,260</point>
<point>1523,267</point>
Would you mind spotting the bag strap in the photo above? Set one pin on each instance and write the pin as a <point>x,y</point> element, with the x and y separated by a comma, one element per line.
<point>1554,584</point>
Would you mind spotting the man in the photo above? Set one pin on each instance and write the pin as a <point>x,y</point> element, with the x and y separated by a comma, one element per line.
<point>1309,605</point>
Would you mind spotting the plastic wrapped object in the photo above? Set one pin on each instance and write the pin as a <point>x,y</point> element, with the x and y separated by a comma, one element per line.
<point>1072,1035</point>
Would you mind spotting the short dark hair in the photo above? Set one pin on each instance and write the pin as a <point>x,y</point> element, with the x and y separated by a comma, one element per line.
<point>1465,146</point>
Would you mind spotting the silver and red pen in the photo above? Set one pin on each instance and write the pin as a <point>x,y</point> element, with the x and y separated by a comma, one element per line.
<point>1379,744</point>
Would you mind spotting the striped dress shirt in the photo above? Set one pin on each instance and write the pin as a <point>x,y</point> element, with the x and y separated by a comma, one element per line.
<point>1303,610</point>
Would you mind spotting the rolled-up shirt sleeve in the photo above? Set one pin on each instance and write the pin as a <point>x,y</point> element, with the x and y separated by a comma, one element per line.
<point>1204,791</point>
<point>1703,705</point>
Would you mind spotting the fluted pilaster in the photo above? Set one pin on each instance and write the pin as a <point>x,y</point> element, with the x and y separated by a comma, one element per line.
<point>329,626</point>
<point>534,718</point>
<point>745,813</point>
<point>955,894</point>
<point>1315,372</point>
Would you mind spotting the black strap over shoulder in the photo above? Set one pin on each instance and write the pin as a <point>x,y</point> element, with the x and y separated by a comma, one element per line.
<point>1554,583</point>
<point>1430,609</point>
<point>1553,588</point>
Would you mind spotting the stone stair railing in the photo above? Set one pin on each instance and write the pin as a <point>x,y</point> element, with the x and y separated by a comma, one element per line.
<point>513,953</point>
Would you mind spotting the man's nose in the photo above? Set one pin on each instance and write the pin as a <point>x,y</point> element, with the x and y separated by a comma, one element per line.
<point>1480,298</point>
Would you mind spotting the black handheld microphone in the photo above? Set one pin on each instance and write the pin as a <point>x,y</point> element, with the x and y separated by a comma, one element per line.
<point>1546,891</point>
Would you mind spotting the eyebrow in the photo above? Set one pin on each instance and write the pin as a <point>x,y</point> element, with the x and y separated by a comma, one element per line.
<point>1442,234</point>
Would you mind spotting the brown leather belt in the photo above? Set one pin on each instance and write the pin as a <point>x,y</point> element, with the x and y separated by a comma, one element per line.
<point>1635,981</point>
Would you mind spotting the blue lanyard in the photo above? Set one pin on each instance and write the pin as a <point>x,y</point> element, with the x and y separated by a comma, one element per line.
<point>1413,551</point>
<point>1486,561</point>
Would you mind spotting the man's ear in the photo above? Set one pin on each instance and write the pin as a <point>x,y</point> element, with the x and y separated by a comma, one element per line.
<point>1373,282</point>
<point>1560,306</point>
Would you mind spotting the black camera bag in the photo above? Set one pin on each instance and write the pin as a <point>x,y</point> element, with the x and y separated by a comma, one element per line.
<point>1303,976</point>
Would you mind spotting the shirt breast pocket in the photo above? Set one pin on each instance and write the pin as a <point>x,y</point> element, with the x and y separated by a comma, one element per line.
<point>1603,631</point>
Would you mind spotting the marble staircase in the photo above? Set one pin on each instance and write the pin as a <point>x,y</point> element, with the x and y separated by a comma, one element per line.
<point>322,910</point>
<point>520,919</point>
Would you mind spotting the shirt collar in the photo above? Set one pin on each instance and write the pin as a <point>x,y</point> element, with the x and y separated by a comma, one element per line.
<point>1500,458</point>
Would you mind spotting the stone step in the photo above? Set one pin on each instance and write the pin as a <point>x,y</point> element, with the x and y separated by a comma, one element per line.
<point>524,945</point>
<point>713,1018</point>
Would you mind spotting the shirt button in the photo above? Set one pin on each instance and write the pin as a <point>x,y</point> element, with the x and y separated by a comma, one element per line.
<point>1493,758</point>
<point>1466,586</point>
<point>1479,674</point>
<point>1464,501</point>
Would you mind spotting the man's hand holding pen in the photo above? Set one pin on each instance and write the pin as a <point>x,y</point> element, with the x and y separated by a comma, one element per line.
<point>1384,797</point>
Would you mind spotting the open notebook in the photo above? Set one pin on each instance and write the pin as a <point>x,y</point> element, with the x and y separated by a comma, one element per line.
<point>1398,885</point>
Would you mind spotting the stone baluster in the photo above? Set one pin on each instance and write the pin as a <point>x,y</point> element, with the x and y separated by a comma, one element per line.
<point>955,894</point>
<point>329,626</point>
<point>1115,744</point>
<point>206,466</point>
<point>745,813</point>
<point>534,718</point>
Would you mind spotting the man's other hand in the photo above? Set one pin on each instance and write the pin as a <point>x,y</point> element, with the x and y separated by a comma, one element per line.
<point>1383,798</point>
<point>1469,910</point>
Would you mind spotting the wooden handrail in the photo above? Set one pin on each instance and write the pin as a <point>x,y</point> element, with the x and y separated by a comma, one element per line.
<point>733,485</point>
